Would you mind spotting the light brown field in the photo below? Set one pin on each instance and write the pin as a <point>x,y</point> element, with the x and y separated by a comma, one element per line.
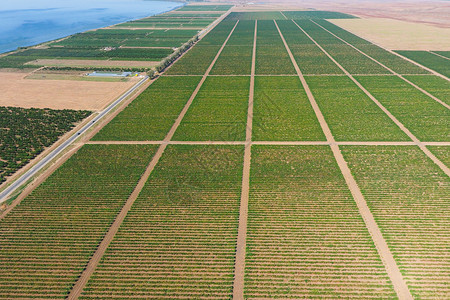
<point>433,12</point>
<point>58,94</point>
<point>89,63</point>
<point>398,35</point>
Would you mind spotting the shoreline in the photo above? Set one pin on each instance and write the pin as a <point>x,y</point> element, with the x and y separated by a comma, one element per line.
<point>179,4</point>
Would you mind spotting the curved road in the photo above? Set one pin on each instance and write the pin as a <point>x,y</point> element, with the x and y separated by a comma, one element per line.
<point>41,164</point>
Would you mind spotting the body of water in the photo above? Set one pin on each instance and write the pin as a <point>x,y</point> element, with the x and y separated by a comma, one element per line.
<point>30,22</point>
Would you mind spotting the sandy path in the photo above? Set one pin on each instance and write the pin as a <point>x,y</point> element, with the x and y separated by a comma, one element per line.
<point>386,111</point>
<point>95,259</point>
<point>239,266</point>
<point>392,71</point>
<point>385,254</point>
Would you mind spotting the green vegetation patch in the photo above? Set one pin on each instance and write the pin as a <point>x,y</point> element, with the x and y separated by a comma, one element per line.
<point>236,57</point>
<point>282,111</point>
<point>243,35</point>
<point>195,62</point>
<point>430,60</point>
<point>179,238</point>
<point>271,55</point>
<point>309,57</point>
<point>218,113</point>
<point>218,34</point>
<point>427,119</point>
<point>234,60</point>
<point>436,86</point>
<point>350,113</point>
<point>266,15</point>
<point>392,61</point>
<point>352,60</point>
<point>317,14</point>
<point>48,239</point>
<point>443,53</point>
<point>153,113</point>
<point>25,133</point>
<point>408,195</point>
<point>442,153</point>
<point>306,238</point>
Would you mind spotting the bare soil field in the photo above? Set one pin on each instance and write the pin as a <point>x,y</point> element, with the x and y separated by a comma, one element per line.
<point>89,63</point>
<point>396,35</point>
<point>58,94</point>
<point>432,12</point>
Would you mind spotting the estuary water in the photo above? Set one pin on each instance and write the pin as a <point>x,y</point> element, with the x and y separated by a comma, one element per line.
<point>30,22</point>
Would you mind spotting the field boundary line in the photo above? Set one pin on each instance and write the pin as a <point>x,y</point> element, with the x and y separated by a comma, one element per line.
<point>241,243</point>
<point>78,287</point>
<point>284,15</point>
<point>389,69</point>
<point>421,145</point>
<point>382,247</point>
<point>432,52</point>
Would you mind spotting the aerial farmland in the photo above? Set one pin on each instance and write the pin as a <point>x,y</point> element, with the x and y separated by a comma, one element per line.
<point>280,157</point>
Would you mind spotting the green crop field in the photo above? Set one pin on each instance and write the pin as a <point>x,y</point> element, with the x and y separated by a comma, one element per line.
<point>442,152</point>
<point>352,60</point>
<point>390,60</point>
<point>199,187</point>
<point>219,112</point>
<point>282,111</point>
<point>250,169</point>
<point>437,86</point>
<point>48,239</point>
<point>351,115</point>
<point>408,195</point>
<point>307,55</point>
<point>150,116</point>
<point>305,237</point>
<point>271,55</point>
<point>424,117</point>
<point>25,133</point>
<point>434,62</point>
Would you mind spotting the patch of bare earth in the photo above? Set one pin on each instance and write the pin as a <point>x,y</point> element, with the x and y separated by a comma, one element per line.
<point>398,35</point>
<point>58,94</point>
<point>91,63</point>
<point>433,12</point>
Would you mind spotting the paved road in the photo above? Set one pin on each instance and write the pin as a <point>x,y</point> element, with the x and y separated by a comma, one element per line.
<point>41,164</point>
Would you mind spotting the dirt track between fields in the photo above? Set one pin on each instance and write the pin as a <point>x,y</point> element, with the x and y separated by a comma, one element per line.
<point>95,259</point>
<point>241,245</point>
<point>392,71</point>
<point>392,269</point>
